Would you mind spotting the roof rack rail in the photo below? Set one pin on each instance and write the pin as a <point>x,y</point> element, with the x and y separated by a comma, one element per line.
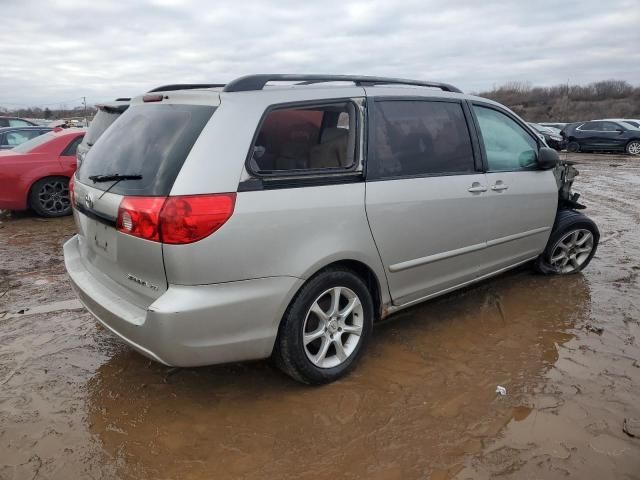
<point>257,82</point>
<point>185,86</point>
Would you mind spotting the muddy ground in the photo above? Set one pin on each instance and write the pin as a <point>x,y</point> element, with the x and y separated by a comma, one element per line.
<point>76,403</point>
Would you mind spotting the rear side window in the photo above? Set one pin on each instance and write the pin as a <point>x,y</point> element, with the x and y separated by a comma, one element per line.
<point>419,138</point>
<point>148,140</point>
<point>296,140</point>
<point>71,149</point>
<point>508,146</point>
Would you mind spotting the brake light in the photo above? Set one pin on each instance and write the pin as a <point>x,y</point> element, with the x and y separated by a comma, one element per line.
<point>140,217</point>
<point>175,220</point>
<point>153,98</point>
<point>187,219</point>
<point>72,190</point>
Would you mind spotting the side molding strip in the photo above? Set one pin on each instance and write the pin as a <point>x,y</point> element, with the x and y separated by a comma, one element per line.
<point>398,267</point>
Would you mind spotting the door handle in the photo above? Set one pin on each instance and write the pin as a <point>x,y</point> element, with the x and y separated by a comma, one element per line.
<point>498,187</point>
<point>477,188</point>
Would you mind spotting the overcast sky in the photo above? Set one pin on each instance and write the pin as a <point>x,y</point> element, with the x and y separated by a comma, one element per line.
<point>53,52</point>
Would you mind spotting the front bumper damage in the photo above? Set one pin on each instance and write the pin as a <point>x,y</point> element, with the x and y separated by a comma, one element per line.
<point>565,174</point>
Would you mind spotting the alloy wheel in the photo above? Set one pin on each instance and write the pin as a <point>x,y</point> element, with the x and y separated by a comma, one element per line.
<point>53,197</point>
<point>333,327</point>
<point>572,251</point>
<point>634,148</point>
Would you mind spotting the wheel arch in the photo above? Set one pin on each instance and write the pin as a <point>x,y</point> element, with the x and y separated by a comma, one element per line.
<point>378,289</point>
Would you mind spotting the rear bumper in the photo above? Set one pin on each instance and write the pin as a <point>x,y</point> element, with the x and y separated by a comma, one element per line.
<point>189,325</point>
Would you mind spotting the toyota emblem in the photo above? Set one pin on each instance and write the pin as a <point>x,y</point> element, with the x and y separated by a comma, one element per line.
<point>88,200</point>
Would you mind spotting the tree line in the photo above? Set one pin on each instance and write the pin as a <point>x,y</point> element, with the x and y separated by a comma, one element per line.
<point>569,103</point>
<point>49,113</point>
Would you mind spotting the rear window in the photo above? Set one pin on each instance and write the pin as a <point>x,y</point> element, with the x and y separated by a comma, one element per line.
<point>100,123</point>
<point>33,143</point>
<point>148,140</point>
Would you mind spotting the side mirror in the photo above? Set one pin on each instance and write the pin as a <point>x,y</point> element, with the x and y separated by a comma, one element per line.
<point>548,158</point>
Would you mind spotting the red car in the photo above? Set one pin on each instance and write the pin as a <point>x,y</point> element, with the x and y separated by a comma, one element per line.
<point>36,173</point>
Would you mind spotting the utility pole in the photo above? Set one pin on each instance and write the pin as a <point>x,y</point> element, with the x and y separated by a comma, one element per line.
<point>84,103</point>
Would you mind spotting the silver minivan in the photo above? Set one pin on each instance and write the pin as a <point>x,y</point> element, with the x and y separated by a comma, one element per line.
<point>283,215</point>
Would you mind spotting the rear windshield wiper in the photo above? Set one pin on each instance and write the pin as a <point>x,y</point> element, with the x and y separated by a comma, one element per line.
<point>112,177</point>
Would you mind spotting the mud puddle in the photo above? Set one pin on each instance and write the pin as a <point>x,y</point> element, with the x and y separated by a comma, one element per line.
<point>75,403</point>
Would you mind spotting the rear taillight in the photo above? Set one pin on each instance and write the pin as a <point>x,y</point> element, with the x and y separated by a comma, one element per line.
<point>191,218</point>
<point>175,220</point>
<point>72,191</point>
<point>140,217</point>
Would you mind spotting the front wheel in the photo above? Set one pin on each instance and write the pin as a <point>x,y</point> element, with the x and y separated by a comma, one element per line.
<point>633,147</point>
<point>571,246</point>
<point>326,328</point>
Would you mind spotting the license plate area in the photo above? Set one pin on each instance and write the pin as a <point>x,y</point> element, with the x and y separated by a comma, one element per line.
<point>102,239</point>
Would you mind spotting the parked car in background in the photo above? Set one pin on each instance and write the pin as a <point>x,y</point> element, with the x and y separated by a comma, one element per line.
<point>603,135</point>
<point>551,136</point>
<point>557,125</point>
<point>11,137</point>
<point>227,224</point>
<point>107,114</point>
<point>15,122</point>
<point>36,173</point>
<point>631,121</point>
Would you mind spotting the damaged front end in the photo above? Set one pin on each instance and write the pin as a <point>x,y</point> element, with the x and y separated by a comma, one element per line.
<point>565,174</point>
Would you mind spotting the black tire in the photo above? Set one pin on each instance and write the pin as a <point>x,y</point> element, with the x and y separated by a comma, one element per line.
<point>49,197</point>
<point>290,353</point>
<point>567,223</point>
<point>633,147</point>
<point>573,147</point>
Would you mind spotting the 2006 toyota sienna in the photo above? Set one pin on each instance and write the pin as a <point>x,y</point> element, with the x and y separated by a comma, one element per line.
<point>282,215</point>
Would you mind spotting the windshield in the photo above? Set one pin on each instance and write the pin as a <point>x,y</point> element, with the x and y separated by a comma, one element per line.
<point>100,123</point>
<point>151,141</point>
<point>33,143</point>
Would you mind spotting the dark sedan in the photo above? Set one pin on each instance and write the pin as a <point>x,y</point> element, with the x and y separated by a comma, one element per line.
<point>607,136</point>
<point>11,137</point>
<point>551,136</point>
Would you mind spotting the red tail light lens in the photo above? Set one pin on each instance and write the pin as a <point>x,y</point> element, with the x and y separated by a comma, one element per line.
<point>175,220</point>
<point>72,190</point>
<point>191,218</point>
<point>140,217</point>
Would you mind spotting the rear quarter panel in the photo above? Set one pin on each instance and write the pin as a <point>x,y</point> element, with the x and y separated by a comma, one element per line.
<point>286,232</point>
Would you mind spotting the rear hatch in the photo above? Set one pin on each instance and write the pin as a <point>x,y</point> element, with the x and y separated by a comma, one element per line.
<point>135,162</point>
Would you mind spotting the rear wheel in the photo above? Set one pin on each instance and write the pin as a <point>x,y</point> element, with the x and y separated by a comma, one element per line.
<point>633,147</point>
<point>571,246</point>
<point>49,197</point>
<point>326,328</point>
<point>573,147</point>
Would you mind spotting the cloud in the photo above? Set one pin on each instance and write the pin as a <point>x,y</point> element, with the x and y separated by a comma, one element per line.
<point>57,51</point>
